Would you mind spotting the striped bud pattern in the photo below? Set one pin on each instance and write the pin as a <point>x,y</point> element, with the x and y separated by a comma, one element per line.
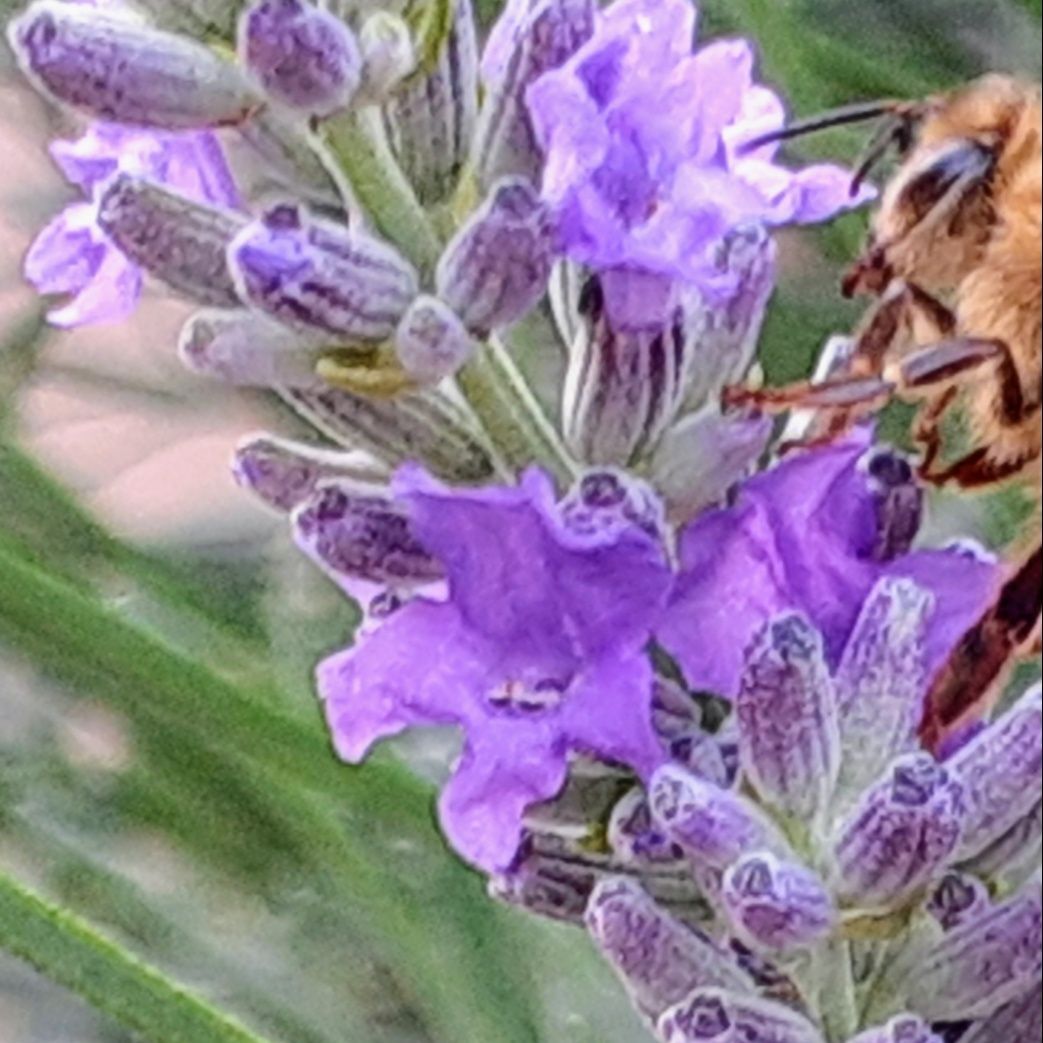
<point>181,243</point>
<point>116,69</point>
<point>496,268</point>
<point>718,1016</point>
<point>431,342</point>
<point>905,1028</point>
<point>318,277</point>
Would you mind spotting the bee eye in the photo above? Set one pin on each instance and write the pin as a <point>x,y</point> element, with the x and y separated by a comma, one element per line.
<point>946,177</point>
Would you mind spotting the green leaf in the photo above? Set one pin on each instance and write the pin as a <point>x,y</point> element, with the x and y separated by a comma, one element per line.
<point>71,953</point>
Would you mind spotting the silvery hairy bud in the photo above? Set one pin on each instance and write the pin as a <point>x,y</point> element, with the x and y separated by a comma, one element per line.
<point>283,474</point>
<point>627,367</point>
<point>301,55</point>
<point>1013,856</point>
<point>318,277</point>
<point>788,737</point>
<point>531,38</point>
<point>775,904</point>
<point>356,535</point>
<point>431,342</point>
<point>720,1016</point>
<point>424,426</point>
<point>982,965</point>
<point>113,68</point>
<point>180,242</point>
<point>247,349</point>
<point>901,835</point>
<point>659,959</point>
<point>1001,770</point>
<point>880,681</point>
<point>905,1028</point>
<point>431,116</point>
<point>388,55</point>
<point>496,268</point>
<point>713,826</point>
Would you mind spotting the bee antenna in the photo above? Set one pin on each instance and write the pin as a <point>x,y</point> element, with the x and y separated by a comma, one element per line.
<point>859,113</point>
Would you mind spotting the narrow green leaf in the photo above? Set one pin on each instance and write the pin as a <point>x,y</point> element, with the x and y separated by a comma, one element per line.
<point>71,953</point>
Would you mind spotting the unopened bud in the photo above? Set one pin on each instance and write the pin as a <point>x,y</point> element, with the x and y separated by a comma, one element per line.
<point>301,55</point>
<point>180,242</point>
<point>496,268</point>
<point>117,69</point>
<point>720,1016</point>
<point>316,276</point>
<point>431,343</point>
<point>906,1028</point>
<point>1020,1021</point>
<point>388,55</point>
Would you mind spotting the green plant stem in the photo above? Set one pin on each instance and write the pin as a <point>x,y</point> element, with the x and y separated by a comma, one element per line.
<point>358,147</point>
<point>836,997</point>
<point>71,953</point>
<point>508,411</point>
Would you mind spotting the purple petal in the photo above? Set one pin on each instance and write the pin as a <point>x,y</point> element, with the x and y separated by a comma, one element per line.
<point>67,253</point>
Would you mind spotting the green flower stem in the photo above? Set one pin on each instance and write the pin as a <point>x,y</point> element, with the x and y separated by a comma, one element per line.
<point>836,993</point>
<point>71,953</point>
<point>504,403</point>
<point>357,145</point>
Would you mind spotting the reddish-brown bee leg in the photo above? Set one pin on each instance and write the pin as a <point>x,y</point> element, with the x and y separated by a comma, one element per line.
<point>927,429</point>
<point>973,677</point>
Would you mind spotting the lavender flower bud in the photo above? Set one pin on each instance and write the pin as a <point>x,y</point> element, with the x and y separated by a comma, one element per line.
<point>788,737</point>
<point>432,115</point>
<point>990,961</point>
<point>556,888</point>
<point>531,38</point>
<point>903,832</point>
<point>1020,1021</point>
<point>283,474</point>
<point>898,501</point>
<point>362,537</point>
<point>388,55</point>
<point>880,681</point>
<point>431,342</point>
<point>301,55</point>
<point>719,1016</point>
<point>496,268</point>
<point>774,904</point>
<point>957,899</point>
<point>634,837</point>
<point>714,826</point>
<point>313,276</point>
<point>659,959</point>
<point>608,503</point>
<point>116,69</point>
<point>1002,772</point>
<point>246,349</point>
<point>180,242</point>
<point>1014,853</point>
<point>727,331</point>
<point>905,1028</point>
<point>424,426</point>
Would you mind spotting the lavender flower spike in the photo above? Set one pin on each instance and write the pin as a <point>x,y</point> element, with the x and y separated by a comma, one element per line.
<point>714,826</point>
<point>115,68</point>
<point>788,738</point>
<point>180,242</point>
<point>496,268</point>
<point>659,959</point>
<point>901,835</point>
<point>301,55</point>
<point>318,277</point>
<point>283,474</point>
<point>431,341</point>
<point>905,1028</point>
<point>1002,772</point>
<point>719,1016</point>
<point>776,905</point>
<point>984,964</point>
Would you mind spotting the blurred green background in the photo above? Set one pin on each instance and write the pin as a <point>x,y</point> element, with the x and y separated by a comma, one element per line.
<point>163,769</point>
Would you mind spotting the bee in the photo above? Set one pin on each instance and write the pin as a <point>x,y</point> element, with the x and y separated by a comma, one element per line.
<point>953,260</point>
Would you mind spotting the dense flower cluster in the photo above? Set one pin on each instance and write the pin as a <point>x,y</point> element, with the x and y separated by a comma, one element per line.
<point>688,692</point>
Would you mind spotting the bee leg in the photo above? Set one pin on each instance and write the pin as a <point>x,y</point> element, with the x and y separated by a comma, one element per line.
<point>927,430</point>
<point>973,677</point>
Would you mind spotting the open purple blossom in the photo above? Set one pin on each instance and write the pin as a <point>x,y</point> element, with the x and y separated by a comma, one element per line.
<point>810,535</point>
<point>73,257</point>
<point>537,653</point>
<point>643,141</point>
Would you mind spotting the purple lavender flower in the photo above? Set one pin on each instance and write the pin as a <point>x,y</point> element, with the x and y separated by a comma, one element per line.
<point>537,652</point>
<point>660,959</point>
<point>903,832</point>
<point>805,536</point>
<point>302,56</point>
<point>73,256</point>
<point>643,143</point>
<point>905,1028</point>
<point>719,1016</point>
<point>775,904</point>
